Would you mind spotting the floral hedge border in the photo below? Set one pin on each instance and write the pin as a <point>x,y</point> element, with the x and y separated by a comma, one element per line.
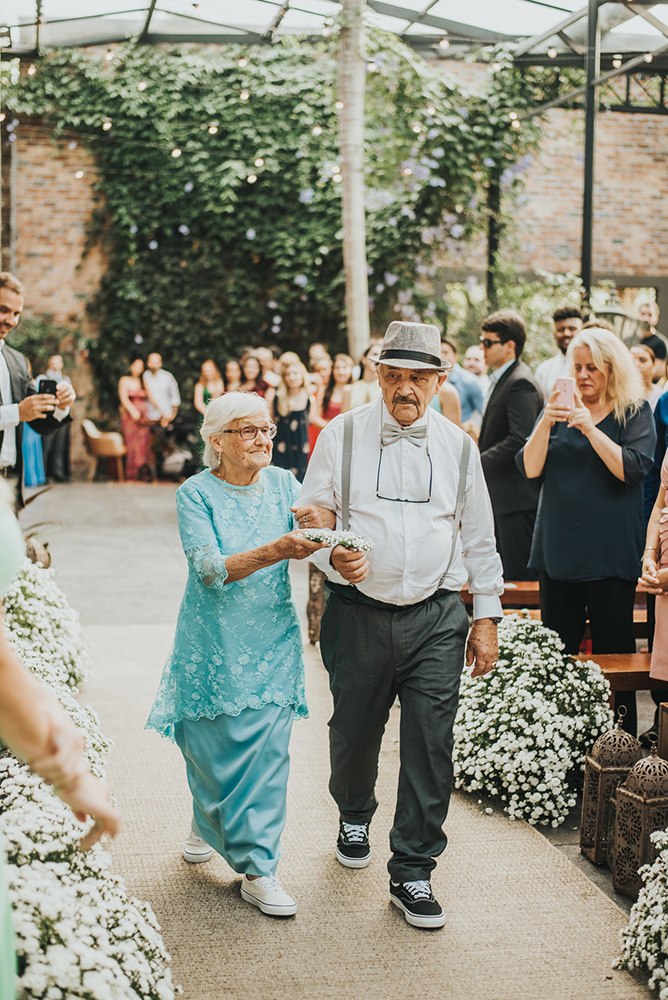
<point>79,936</point>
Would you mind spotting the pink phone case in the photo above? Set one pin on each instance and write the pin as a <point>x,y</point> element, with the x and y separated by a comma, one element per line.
<point>566,389</point>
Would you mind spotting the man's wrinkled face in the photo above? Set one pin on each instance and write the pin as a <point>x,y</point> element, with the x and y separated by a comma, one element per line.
<point>11,306</point>
<point>407,392</point>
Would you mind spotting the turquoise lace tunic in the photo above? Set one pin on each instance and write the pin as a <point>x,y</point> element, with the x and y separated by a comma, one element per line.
<point>237,645</point>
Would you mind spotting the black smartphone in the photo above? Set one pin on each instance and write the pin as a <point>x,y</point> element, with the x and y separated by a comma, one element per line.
<point>48,385</point>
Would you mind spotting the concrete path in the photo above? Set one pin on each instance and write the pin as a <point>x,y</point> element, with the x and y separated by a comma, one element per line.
<point>522,921</point>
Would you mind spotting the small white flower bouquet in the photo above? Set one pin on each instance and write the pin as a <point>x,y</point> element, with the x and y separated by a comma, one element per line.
<point>644,941</point>
<point>359,543</point>
<point>522,731</point>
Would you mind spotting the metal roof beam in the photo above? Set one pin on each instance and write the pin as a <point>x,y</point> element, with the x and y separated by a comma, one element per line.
<point>268,35</point>
<point>641,12</point>
<point>451,27</point>
<point>147,23</point>
<point>531,43</point>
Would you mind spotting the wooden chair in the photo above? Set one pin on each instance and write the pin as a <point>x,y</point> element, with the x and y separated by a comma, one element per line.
<point>103,444</point>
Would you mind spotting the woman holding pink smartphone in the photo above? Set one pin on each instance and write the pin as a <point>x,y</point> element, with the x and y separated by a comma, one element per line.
<point>591,448</point>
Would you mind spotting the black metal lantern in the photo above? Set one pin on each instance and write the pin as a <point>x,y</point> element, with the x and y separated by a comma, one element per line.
<point>641,809</point>
<point>607,765</point>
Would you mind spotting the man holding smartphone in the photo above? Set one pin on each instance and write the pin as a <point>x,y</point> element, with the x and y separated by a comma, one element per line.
<point>19,402</point>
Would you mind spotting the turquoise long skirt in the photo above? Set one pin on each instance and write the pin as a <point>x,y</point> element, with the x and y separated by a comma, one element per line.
<point>237,768</point>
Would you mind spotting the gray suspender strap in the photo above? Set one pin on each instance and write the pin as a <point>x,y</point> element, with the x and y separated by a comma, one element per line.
<point>346,461</point>
<point>459,506</point>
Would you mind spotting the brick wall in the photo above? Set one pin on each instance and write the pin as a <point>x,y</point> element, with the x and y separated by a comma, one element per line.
<point>52,208</point>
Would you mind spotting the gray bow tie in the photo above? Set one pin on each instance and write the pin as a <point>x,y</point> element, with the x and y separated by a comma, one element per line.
<point>391,433</point>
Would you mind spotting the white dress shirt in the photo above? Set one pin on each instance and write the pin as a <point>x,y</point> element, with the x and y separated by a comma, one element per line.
<point>412,540</point>
<point>165,391</point>
<point>9,415</point>
<point>549,371</point>
<point>493,378</point>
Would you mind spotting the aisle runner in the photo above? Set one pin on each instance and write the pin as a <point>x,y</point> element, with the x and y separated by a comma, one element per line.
<point>523,923</point>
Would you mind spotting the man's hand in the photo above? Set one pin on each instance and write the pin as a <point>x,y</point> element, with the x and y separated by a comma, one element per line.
<point>482,648</point>
<point>66,395</point>
<point>353,566</point>
<point>310,515</point>
<point>37,406</point>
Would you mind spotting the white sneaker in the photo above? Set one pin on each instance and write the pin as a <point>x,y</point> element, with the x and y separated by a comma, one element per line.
<point>266,893</point>
<point>195,850</point>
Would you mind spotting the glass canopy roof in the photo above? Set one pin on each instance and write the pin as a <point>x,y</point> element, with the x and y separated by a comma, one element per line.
<point>423,24</point>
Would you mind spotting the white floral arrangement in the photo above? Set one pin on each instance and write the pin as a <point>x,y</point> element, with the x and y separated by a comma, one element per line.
<point>78,935</point>
<point>522,731</point>
<point>349,540</point>
<point>645,940</point>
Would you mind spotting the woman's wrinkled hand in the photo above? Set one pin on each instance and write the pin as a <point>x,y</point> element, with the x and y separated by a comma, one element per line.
<point>310,515</point>
<point>64,762</point>
<point>295,546</point>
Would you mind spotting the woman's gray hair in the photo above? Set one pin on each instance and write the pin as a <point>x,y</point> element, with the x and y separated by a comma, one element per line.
<point>222,412</point>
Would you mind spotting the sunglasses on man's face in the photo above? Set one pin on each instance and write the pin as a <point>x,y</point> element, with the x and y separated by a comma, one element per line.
<point>487,343</point>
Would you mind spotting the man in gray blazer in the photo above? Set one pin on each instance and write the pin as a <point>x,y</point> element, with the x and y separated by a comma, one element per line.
<point>19,401</point>
<point>511,407</point>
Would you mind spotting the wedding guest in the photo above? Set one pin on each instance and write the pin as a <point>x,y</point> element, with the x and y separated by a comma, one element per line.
<point>467,386</point>
<point>366,388</point>
<point>645,360</point>
<point>567,321</point>
<point>232,376</point>
<point>33,455</point>
<point>252,379</point>
<point>162,390</point>
<point>234,680</point>
<point>292,408</point>
<point>654,579</point>
<point>332,398</point>
<point>474,362</point>
<point>56,447</point>
<point>20,404</point>
<point>210,385</point>
<point>511,407</point>
<point>649,335</point>
<point>135,423</point>
<point>267,362</point>
<point>590,462</point>
<point>35,728</point>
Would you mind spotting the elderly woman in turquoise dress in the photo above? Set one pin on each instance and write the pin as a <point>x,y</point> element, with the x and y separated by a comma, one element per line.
<point>234,680</point>
<point>35,728</point>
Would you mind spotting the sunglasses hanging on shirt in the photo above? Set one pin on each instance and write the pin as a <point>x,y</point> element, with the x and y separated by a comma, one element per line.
<point>387,486</point>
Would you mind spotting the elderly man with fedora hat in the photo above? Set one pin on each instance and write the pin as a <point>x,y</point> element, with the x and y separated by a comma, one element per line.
<point>394,623</point>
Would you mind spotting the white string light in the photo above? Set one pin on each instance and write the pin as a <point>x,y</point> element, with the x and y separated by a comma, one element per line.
<point>2,117</point>
<point>407,171</point>
<point>106,126</point>
<point>213,129</point>
<point>516,125</point>
<point>496,67</point>
<point>337,178</point>
<point>617,60</point>
<point>243,62</point>
<point>339,105</point>
<point>416,129</point>
<point>552,52</point>
<point>431,109</point>
<point>317,130</point>
<point>109,55</point>
<point>142,85</point>
<point>79,174</point>
<point>647,57</point>
<point>32,69</point>
<point>512,116</point>
<point>176,153</point>
<point>336,169</point>
<point>444,44</point>
<point>244,95</point>
<point>259,162</point>
<point>251,178</point>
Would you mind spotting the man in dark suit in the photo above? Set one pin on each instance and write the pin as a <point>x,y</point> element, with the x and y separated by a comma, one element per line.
<point>19,402</point>
<point>512,404</point>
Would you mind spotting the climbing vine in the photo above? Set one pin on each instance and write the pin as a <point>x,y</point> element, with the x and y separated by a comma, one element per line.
<point>218,187</point>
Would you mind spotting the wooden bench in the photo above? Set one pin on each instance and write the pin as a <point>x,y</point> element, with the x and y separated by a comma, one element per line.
<point>625,671</point>
<point>525,594</point>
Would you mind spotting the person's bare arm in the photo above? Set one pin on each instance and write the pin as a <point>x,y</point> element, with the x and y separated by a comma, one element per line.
<point>198,398</point>
<point>345,400</point>
<point>290,546</point>
<point>448,399</point>
<point>125,399</point>
<point>535,450</point>
<point>650,566</point>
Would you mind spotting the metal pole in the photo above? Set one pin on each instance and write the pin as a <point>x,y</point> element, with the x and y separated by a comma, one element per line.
<point>493,237</point>
<point>352,70</point>
<point>593,70</point>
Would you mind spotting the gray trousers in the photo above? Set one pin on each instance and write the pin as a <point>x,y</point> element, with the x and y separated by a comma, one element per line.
<point>372,654</point>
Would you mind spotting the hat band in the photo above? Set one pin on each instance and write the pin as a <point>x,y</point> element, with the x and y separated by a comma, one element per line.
<point>428,359</point>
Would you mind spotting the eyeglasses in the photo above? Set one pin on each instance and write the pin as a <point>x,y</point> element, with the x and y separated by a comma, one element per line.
<point>250,432</point>
<point>487,343</point>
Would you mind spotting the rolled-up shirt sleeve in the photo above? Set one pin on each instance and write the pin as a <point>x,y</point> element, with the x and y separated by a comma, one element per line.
<point>318,488</point>
<point>9,416</point>
<point>482,561</point>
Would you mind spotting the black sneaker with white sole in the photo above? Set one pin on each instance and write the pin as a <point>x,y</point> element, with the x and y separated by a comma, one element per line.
<point>352,847</point>
<point>417,901</point>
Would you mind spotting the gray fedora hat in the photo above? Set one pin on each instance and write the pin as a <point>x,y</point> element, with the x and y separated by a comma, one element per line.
<point>413,345</point>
